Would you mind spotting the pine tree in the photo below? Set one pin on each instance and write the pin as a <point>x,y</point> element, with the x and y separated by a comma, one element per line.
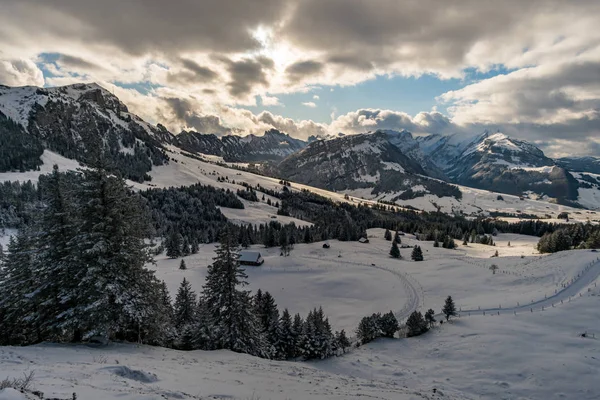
<point>368,329</point>
<point>430,318</point>
<point>297,329</point>
<point>387,235</point>
<point>388,325</point>
<point>268,317</point>
<point>229,309</point>
<point>395,251</point>
<point>185,247</point>
<point>173,245</point>
<point>182,264</point>
<point>342,341</point>
<point>19,280</point>
<point>449,309</point>
<point>436,243</point>
<point>287,337</point>
<point>417,254</point>
<point>116,293</point>
<point>185,305</point>
<point>194,247</point>
<point>397,238</point>
<point>416,324</point>
<point>56,249</point>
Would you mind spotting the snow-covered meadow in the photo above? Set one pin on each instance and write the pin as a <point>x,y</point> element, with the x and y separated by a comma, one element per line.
<point>509,353</point>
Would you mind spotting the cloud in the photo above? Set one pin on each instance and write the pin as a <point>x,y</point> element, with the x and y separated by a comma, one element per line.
<point>270,101</point>
<point>302,69</point>
<point>141,26</point>
<point>76,63</point>
<point>316,97</point>
<point>309,104</point>
<point>20,73</point>
<point>247,73</point>
<point>191,72</point>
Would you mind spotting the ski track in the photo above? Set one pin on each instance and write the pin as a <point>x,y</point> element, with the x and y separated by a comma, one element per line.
<point>572,289</point>
<point>413,289</point>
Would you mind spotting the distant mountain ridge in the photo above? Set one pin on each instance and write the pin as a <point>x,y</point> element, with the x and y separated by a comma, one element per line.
<point>273,145</point>
<point>78,120</point>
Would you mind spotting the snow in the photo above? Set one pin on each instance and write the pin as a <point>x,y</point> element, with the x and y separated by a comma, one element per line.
<point>49,159</point>
<point>257,213</point>
<point>11,394</point>
<point>518,354</point>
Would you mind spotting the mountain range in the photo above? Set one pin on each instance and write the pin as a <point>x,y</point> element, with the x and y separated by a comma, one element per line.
<point>76,120</point>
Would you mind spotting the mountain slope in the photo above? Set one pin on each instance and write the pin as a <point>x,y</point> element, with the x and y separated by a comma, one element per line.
<point>500,163</point>
<point>78,120</point>
<point>580,164</point>
<point>359,162</point>
<point>273,145</point>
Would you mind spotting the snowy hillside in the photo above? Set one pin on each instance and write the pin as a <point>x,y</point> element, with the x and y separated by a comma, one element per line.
<point>521,339</point>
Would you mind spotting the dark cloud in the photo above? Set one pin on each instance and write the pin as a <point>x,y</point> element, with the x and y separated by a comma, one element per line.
<point>192,73</point>
<point>301,69</point>
<point>247,73</point>
<point>77,63</point>
<point>186,115</point>
<point>149,26</point>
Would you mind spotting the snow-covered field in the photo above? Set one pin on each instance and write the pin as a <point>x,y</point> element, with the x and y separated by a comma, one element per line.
<point>522,353</point>
<point>527,355</point>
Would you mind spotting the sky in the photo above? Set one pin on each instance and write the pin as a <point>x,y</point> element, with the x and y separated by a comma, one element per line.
<point>530,69</point>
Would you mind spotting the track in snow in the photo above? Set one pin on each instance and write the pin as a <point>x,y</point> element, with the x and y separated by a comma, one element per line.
<point>412,287</point>
<point>584,279</point>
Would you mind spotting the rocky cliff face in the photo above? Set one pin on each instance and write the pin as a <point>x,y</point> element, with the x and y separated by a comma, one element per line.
<point>83,121</point>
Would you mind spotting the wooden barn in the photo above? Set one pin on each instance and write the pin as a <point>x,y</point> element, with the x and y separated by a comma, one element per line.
<point>249,257</point>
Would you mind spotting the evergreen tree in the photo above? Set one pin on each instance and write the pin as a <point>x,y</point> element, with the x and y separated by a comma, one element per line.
<point>388,325</point>
<point>395,251</point>
<point>342,341</point>
<point>417,254</point>
<point>449,309</point>
<point>287,337</point>
<point>56,248</point>
<point>173,245</point>
<point>185,305</point>
<point>368,329</point>
<point>229,309</point>
<point>19,280</point>
<point>268,318</point>
<point>194,247</point>
<point>387,235</point>
<point>297,329</point>
<point>416,324</point>
<point>436,243</point>
<point>185,247</point>
<point>397,238</point>
<point>182,264</point>
<point>430,318</point>
<point>116,294</point>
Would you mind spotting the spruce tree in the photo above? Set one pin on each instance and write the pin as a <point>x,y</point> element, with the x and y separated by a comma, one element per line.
<point>184,310</point>
<point>286,335</point>
<point>58,264</point>
<point>342,341</point>
<point>417,254</point>
<point>397,238</point>
<point>387,235</point>
<point>416,324</point>
<point>173,245</point>
<point>395,251</point>
<point>19,280</point>
<point>388,325</point>
<point>116,293</point>
<point>430,318</point>
<point>449,309</point>
<point>182,264</point>
<point>229,309</point>
<point>368,329</point>
<point>297,329</point>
